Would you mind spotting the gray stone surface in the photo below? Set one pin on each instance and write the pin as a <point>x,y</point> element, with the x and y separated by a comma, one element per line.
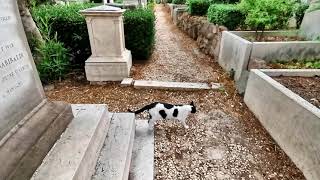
<point>127,82</point>
<point>310,26</point>
<point>20,87</point>
<point>174,85</point>
<point>236,52</point>
<point>292,121</point>
<point>29,124</point>
<point>234,57</point>
<point>74,155</point>
<point>23,151</point>
<point>142,165</point>
<point>115,156</point>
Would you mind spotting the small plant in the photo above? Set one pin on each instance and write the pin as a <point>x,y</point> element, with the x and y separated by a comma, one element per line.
<point>198,7</point>
<point>300,9</point>
<point>227,15</point>
<point>178,1</point>
<point>294,64</point>
<point>55,61</point>
<point>267,14</point>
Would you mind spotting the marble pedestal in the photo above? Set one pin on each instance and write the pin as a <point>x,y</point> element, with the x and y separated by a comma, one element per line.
<point>110,60</point>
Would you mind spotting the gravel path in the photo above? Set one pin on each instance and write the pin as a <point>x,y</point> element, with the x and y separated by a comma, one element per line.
<point>225,140</point>
<point>176,56</point>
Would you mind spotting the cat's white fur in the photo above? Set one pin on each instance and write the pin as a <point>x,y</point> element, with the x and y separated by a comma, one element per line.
<point>183,110</point>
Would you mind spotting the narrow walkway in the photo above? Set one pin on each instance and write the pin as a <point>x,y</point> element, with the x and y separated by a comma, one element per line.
<point>225,140</point>
<point>176,57</point>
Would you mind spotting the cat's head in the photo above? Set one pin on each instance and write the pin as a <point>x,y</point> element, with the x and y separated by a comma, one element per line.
<point>193,107</point>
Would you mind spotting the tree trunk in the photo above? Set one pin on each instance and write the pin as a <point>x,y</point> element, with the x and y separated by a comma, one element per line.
<point>33,34</point>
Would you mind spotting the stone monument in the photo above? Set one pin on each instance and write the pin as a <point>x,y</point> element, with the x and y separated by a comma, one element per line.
<point>110,60</point>
<point>29,123</point>
<point>310,26</point>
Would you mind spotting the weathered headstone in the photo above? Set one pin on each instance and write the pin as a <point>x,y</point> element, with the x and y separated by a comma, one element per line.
<point>29,124</point>
<point>110,60</point>
<point>310,26</point>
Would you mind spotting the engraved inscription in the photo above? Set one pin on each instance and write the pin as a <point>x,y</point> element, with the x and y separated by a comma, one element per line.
<point>8,61</point>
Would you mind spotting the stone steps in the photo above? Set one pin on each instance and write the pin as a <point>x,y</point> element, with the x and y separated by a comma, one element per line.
<point>142,162</point>
<point>75,154</point>
<point>115,156</point>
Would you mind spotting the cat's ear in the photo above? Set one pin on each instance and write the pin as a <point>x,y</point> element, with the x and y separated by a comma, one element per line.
<point>192,103</point>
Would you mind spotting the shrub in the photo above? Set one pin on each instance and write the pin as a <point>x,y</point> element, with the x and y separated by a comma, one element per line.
<point>178,1</point>
<point>70,27</point>
<point>169,1</point>
<point>55,61</point>
<point>139,29</point>
<point>198,7</point>
<point>301,8</point>
<point>224,1</point>
<point>228,15</point>
<point>267,14</point>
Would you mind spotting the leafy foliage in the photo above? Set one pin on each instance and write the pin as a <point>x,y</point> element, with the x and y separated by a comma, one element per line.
<point>139,30</point>
<point>223,1</point>
<point>198,7</point>
<point>300,9</point>
<point>169,1</point>
<point>267,14</point>
<point>178,1</point>
<point>228,15</point>
<point>70,27</point>
<point>55,61</point>
<point>309,64</point>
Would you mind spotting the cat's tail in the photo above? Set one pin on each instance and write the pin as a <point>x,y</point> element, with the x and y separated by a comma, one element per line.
<point>147,107</point>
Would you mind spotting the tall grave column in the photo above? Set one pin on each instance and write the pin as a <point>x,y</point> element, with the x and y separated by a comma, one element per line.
<point>110,60</point>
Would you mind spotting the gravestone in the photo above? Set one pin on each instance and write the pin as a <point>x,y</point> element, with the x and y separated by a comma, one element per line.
<point>310,26</point>
<point>29,123</point>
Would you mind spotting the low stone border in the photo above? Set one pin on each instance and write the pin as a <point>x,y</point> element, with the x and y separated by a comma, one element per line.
<point>292,121</point>
<point>236,53</point>
<point>169,85</point>
<point>206,34</point>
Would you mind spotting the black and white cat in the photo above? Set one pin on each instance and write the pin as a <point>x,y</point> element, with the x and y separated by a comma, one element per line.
<point>158,110</point>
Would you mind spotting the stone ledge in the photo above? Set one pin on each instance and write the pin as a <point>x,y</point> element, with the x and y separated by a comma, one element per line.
<point>174,85</point>
<point>115,156</point>
<point>293,122</point>
<point>142,164</point>
<point>23,152</point>
<point>75,154</point>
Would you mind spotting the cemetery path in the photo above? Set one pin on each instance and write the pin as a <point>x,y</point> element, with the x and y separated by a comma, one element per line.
<point>225,140</point>
<point>176,57</point>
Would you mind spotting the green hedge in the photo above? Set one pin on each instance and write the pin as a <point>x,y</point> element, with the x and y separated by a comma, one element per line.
<point>72,30</point>
<point>139,30</point>
<point>224,1</point>
<point>300,10</point>
<point>198,7</point>
<point>227,15</point>
<point>178,1</point>
<point>70,26</point>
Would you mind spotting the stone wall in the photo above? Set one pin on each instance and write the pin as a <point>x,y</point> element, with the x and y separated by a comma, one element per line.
<point>206,34</point>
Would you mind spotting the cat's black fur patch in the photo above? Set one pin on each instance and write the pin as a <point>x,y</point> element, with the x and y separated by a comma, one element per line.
<point>175,113</point>
<point>168,106</point>
<point>193,109</point>
<point>163,114</point>
<point>149,118</point>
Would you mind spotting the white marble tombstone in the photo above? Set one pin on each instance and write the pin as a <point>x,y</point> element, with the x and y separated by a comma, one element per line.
<point>110,60</point>
<point>29,124</point>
